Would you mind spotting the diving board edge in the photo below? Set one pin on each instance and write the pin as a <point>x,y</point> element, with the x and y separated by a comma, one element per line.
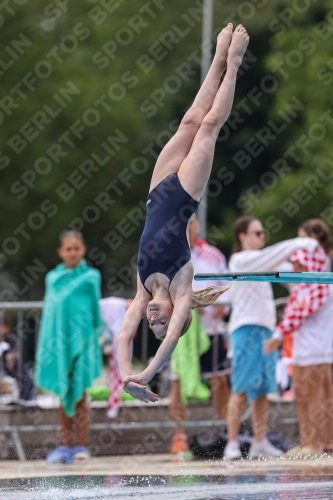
<point>270,277</point>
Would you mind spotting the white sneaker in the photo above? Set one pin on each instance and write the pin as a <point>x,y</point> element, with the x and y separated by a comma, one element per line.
<point>232,451</point>
<point>264,450</point>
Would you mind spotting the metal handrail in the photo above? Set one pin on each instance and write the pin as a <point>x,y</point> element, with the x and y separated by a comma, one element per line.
<point>14,430</point>
<point>20,306</point>
<point>116,426</point>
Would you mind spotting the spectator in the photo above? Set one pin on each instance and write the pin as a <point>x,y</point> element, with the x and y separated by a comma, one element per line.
<point>252,321</point>
<point>9,347</point>
<point>68,353</point>
<point>8,360</point>
<point>113,311</point>
<point>5,327</point>
<point>213,362</point>
<point>9,363</point>
<point>186,381</point>
<point>307,317</point>
<point>318,229</point>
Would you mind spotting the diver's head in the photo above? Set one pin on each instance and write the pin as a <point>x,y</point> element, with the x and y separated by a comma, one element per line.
<point>159,312</point>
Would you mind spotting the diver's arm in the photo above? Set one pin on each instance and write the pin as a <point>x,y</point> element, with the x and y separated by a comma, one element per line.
<point>124,345</point>
<point>129,327</point>
<point>178,318</point>
<point>132,319</point>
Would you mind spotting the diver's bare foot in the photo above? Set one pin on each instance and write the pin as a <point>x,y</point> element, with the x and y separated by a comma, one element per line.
<point>223,42</point>
<point>239,42</point>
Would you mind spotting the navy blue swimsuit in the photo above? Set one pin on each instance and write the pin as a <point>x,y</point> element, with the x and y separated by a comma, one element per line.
<point>163,246</point>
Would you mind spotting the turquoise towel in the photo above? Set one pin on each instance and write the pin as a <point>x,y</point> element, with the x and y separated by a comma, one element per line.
<point>68,354</point>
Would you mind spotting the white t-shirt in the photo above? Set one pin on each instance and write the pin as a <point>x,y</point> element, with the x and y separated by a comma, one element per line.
<point>253,302</point>
<point>4,346</point>
<point>313,342</point>
<point>113,311</point>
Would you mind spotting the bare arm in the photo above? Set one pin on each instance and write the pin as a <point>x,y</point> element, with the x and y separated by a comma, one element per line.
<point>271,257</point>
<point>129,327</point>
<point>179,316</point>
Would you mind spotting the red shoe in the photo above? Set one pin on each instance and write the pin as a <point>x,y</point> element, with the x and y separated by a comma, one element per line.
<point>179,443</point>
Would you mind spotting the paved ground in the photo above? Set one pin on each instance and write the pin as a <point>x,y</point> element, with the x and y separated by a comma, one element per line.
<point>162,465</point>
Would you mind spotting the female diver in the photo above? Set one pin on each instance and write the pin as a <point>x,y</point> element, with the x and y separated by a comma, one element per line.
<point>165,272</point>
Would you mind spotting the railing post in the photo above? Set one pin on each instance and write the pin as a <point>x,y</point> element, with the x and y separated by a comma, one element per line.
<point>20,333</point>
<point>37,324</point>
<point>2,315</point>
<point>18,445</point>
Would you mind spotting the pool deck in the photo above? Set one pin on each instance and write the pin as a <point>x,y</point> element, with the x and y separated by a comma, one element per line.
<point>162,465</point>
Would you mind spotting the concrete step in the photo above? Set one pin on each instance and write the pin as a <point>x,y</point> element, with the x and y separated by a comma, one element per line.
<point>139,428</point>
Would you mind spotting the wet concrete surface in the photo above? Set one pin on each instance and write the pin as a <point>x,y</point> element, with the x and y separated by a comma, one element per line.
<point>152,476</point>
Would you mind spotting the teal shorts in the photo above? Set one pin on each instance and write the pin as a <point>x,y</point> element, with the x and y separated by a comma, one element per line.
<point>253,372</point>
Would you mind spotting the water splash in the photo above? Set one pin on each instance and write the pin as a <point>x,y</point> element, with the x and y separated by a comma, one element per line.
<point>245,487</point>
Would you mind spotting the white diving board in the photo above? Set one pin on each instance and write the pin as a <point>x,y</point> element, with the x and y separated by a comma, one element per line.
<point>272,277</point>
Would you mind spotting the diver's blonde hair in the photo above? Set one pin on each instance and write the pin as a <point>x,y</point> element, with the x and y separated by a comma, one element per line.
<point>207,296</point>
<point>203,298</point>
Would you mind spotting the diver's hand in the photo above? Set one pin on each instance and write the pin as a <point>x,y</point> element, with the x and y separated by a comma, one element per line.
<point>139,378</point>
<point>138,390</point>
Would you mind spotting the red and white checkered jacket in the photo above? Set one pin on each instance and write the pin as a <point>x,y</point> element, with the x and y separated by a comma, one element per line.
<point>306,298</point>
<point>204,251</point>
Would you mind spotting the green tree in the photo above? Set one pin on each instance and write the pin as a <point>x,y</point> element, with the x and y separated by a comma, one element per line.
<point>121,81</point>
<point>302,165</point>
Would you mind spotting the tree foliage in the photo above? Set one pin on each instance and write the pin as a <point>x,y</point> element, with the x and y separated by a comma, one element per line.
<point>92,90</point>
<point>305,190</point>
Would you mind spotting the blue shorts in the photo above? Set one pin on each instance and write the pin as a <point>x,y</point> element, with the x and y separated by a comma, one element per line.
<point>253,372</point>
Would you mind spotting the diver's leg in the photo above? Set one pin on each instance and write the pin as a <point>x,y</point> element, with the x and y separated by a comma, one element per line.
<point>176,150</point>
<point>195,170</point>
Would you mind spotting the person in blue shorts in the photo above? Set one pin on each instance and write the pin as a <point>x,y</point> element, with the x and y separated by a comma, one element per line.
<point>251,325</point>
